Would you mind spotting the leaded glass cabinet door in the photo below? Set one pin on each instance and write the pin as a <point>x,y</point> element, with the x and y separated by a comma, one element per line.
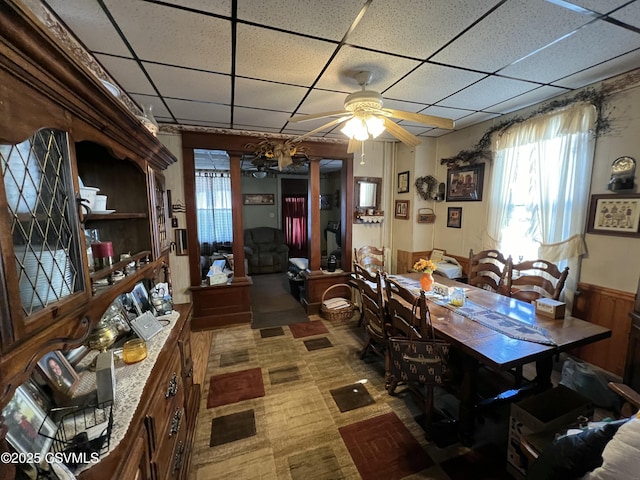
<point>44,229</point>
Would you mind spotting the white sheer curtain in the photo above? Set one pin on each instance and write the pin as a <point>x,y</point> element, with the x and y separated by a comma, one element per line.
<point>213,204</point>
<point>539,195</point>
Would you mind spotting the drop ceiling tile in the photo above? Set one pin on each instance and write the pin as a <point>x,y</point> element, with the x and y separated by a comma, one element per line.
<point>330,20</point>
<point>603,71</point>
<point>446,112</point>
<point>436,132</point>
<point>206,113</point>
<point>385,70</point>
<point>280,57</point>
<point>319,101</point>
<point>256,117</point>
<point>600,6</point>
<point>426,84</point>
<point>415,28</point>
<point>513,31</point>
<point>488,91</point>
<point>169,35</point>
<point>91,25</point>
<point>474,118</point>
<point>219,7</point>
<point>629,14</point>
<point>269,95</point>
<point>127,73</point>
<point>158,108</point>
<point>187,84</point>
<point>590,45</point>
<point>526,99</point>
<point>401,105</point>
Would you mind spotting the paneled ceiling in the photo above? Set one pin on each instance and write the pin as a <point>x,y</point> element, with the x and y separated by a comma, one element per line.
<point>250,65</point>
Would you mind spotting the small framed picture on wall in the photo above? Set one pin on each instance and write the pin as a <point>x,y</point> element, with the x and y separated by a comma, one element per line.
<point>402,209</point>
<point>454,217</point>
<point>403,182</point>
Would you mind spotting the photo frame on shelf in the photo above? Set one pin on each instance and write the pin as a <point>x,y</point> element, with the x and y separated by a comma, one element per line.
<point>465,184</point>
<point>140,299</point>
<point>454,217</point>
<point>403,182</point>
<point>258,199</point>
<point>614,214</point>
<point>30,430</point>
<point>58,372</point>
<point>402,209</point>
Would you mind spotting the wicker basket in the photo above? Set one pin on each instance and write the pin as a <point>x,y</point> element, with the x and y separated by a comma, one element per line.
<point>426,215</point>
<point>337,314</point>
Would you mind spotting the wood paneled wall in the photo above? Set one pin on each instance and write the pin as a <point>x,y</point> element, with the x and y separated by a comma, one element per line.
<point>609,308</point>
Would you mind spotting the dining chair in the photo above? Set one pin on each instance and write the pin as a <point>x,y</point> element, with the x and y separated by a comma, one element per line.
<point>375,318</point>
<point>371,277</point>
<point>487,270</point>
<point>416,359</point>
<point>533,279</point>
<point>369,257</point>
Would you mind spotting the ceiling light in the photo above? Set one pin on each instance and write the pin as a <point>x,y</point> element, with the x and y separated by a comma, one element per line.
<point>361,127</point>
<point>260,174</point>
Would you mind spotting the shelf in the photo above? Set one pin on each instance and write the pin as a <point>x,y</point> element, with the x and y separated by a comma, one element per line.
<point>370,218</point>
<point>116,216</point>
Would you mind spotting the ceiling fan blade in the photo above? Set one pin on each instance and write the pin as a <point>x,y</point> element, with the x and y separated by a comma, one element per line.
<point>439,122</point>
<point>337,121</point>
<point>354,145</point>
<point>303,118</point>
<point>400,133</point>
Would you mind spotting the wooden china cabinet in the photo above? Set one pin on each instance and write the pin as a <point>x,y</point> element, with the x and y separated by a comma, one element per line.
<point>59,124</point>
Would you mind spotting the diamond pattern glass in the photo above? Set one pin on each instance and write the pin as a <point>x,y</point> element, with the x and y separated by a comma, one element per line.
<point>39,190</point>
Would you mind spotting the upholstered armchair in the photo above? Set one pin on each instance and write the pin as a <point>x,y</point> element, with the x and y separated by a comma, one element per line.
<point>265,250</point>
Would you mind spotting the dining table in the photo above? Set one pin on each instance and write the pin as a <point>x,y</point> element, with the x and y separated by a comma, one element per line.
<point>501,333</point>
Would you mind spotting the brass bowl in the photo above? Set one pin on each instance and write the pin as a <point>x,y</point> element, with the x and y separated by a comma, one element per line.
<point>134,350</point>
<point>101,338</point>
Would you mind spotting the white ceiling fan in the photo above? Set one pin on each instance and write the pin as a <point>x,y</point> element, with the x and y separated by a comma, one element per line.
<point>366,118</point>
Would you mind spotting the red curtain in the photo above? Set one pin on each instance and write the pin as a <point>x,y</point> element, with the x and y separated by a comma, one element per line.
<point>294,217</point>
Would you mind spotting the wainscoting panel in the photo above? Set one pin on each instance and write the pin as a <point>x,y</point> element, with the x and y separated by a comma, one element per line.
<point>609,308</point>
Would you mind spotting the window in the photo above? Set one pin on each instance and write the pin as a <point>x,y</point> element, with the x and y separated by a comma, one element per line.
<point>540,186</point>
<point>213,202</point>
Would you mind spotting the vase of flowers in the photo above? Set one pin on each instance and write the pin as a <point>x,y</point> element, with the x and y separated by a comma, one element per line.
<point>427,267</point>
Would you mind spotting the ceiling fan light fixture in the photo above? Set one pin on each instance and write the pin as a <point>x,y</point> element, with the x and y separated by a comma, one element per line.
<point>361,128</point>
<point>259,174</point>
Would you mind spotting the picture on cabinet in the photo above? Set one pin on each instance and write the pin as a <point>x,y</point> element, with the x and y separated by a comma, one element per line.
<point>140,299</point>
<point>24,419</point>
<point>58,372</point>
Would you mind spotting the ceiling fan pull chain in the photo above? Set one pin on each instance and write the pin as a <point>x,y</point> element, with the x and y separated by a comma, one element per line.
<point>362,155</point>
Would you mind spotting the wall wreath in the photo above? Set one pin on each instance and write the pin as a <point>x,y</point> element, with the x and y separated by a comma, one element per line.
<point>425,187</point>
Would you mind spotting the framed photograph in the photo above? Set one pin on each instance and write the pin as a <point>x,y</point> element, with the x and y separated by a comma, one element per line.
<point>258,198</point>
<point>325,202</point>
<point>402,209</point>
<point>403,182</point>
<point>58,372</point>
<point>454,217</point>
<point>140,299</point>
<point>614,214</point>
<point>30,430</point>
<point>465,184</point>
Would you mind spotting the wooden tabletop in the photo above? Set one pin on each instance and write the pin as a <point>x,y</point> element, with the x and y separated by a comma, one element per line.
<point>496,349</point>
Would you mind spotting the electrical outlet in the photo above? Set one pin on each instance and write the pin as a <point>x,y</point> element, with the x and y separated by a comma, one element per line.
<point>174,222</point>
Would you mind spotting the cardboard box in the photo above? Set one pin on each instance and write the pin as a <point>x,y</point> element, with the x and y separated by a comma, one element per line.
<point>548,411</point>
<point>550,308</point>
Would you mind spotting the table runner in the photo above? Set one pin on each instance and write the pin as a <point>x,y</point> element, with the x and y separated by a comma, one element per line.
<point>496,321</point>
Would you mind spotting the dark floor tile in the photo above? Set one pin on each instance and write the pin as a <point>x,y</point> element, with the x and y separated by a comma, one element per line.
<point>319,464</point>
<point>351,397</point>
<point>234,357</point>
<point>230,428</point>
<point>271,332</point>
<point>318,343</point>
<point>283,375</point>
